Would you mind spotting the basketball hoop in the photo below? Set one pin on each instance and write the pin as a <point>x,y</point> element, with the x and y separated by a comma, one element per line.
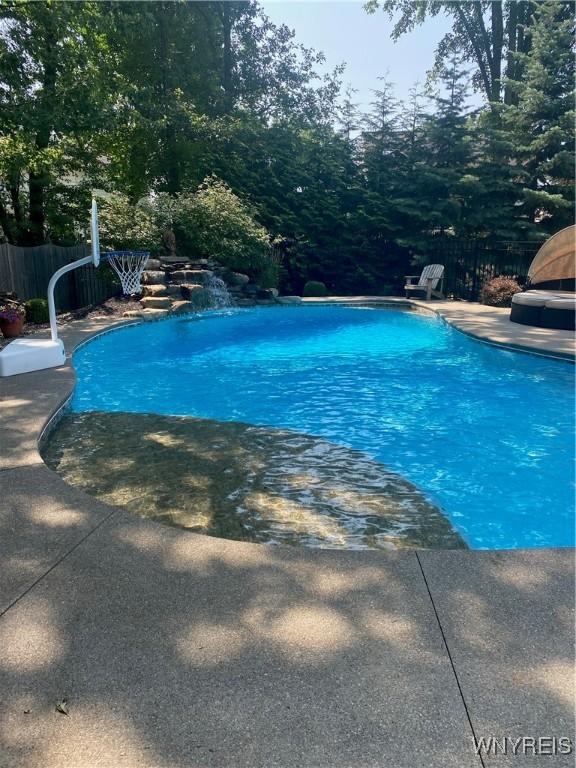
<point>33,354</point>
<point>129,266</point>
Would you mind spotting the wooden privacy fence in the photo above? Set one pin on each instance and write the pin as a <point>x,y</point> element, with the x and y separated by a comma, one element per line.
<point>26,271</point>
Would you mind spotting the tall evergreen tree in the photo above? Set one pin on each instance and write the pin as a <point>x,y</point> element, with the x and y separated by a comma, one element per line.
<point>542,120</point>
<point>449,150</point>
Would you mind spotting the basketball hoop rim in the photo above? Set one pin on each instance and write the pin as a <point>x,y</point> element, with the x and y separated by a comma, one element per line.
<point>109,254</point>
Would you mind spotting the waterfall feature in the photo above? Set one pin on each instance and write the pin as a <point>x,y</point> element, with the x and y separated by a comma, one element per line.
<point>219,296</point>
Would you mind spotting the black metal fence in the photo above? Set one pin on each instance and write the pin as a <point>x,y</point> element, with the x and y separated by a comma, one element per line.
<point>468,264</point>
<point>26,271</point>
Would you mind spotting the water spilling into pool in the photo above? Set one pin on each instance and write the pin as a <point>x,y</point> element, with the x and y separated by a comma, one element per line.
<point>485,434</point>
<point>220,297</point>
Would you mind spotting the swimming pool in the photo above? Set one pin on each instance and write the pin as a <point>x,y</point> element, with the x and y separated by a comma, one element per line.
<point>486,434</point>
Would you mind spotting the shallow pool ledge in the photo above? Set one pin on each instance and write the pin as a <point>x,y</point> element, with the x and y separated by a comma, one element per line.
<point>488,324</point>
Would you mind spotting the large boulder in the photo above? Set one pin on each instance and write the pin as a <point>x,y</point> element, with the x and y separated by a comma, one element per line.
<point>153,277</point>
<point>156,302</point>
<point>175,291</point>
<point>192,275</point>
<point>152,313</point>
<point>182,307</point>
<point>265,294</point>
<point>159,289</point>
<point>187,290</point>
<point>197,295</point>
<point>167,259</point>
<point>234,279</point>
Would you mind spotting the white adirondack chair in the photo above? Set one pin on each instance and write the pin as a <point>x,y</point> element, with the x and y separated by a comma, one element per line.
<point>427,283</point>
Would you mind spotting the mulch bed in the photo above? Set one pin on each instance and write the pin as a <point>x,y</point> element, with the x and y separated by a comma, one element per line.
<point>113,308</point>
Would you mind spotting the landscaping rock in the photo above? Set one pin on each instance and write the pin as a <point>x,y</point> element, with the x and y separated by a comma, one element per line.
<point>181,307</point>
<point>153,277</point>
<point>153,264</point>
<point>159,289</point>
<point>201,299</point>
<point>235,279</point>
<point>156,302</point>
<point>266,294</point>
<point>289,299</point>
<point>192,275</point>
<point>175,291</point>
<point>173,259</point>
<point>187,290</point>
<point>133,313</point>
<point>150,314</point>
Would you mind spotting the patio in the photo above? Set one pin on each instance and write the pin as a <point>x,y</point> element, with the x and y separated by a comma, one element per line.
<point>173,649</point>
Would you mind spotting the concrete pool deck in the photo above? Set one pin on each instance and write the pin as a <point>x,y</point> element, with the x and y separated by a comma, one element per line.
<point>175,650</point>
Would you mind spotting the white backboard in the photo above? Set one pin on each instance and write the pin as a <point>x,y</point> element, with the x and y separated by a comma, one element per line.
<point>95,234</point>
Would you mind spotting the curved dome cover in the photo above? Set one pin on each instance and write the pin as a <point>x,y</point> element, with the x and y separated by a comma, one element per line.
<point>556,259</point>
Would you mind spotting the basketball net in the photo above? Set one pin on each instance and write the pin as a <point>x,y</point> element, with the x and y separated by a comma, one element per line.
<point>129,266</point>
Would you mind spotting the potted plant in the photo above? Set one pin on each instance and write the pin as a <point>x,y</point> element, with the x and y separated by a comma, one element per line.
<point>11,321</point>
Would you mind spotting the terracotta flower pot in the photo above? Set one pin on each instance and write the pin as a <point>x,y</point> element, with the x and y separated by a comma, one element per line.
<point>13,329</point>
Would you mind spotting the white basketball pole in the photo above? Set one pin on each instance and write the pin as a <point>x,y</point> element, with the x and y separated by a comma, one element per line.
<point>52,285</point>
<point>30,354</point>
<point>94,259</point>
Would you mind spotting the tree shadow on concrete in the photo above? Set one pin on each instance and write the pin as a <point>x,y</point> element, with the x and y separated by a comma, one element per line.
<point>175,650</point>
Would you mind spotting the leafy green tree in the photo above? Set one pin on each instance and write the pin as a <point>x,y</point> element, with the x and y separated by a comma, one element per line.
<point>214,223</point>
<point>485,33</point>
<point>55,97</point>
<point>127,226</point>
<point>168,60</point>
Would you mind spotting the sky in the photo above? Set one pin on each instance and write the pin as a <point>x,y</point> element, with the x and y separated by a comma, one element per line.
<point>344,32</point>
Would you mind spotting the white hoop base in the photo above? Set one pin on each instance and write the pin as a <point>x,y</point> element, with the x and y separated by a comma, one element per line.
<point>129,266</point>
<point>26,355</point>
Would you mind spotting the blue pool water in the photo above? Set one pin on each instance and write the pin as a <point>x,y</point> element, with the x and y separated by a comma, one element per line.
<point>486,434</point>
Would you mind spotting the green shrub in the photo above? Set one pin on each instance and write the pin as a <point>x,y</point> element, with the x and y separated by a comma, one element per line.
<point>498,292</point>
<point>314,288</point>
<point>126,227</point>
<point>37,311</point>
<point>213,222</point>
